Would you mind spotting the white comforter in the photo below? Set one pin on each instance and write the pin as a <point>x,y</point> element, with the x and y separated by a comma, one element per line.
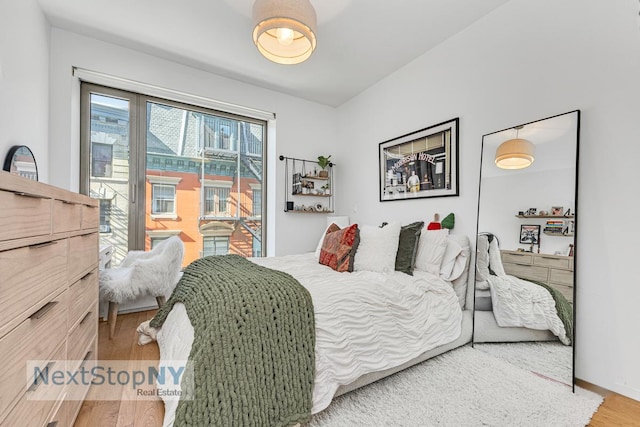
<point>365,322</point>
<point>517,302</point>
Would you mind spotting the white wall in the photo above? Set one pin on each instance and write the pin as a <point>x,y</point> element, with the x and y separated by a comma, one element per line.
<point>24,80</point>
<point>526,61</point>
<point>304,129</point>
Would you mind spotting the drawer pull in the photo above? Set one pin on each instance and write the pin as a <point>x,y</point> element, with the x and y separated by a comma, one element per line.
<point>43,245</point>
<point>86,275</point>
<point>84,319</point>
<point>36,382</point>
<point>548,257</point>
<point>43,310</point>
<point>33,196</point>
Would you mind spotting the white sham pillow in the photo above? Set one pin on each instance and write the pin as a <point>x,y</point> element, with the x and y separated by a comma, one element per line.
<point>495,259</point>
<point>378,248</point>
<point>431,249</point>
<point>482,261</point>
<point>454,260</point>
<point>319,247</point>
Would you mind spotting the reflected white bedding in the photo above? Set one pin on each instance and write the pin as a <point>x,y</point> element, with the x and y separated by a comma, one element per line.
<point>518,302</point>
<point>365,322</point>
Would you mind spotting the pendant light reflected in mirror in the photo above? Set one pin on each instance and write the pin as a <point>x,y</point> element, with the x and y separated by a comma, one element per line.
<point>515,153</point>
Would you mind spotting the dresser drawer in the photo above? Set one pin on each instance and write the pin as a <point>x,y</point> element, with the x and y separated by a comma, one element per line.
<point>28,277</point>
<point>527,272</point>
<point>564,277</point>
<point>566,291</point>
<point>66,216</point>
<point>42,403</point>
<point>83,255</point>
<point>83,334</point>
<point>34,339</point>
<point>516,258</point>
<point>23,216</point>
<point>550,261</point>
<point>83,293</point>
<point>76,393</point>
<point>90,217</point>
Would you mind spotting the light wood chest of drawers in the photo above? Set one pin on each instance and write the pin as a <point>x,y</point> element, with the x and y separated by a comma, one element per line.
<point>553,270</point>
<point>48,297</point>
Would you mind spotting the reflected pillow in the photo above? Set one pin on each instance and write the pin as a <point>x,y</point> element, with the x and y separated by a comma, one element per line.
<point>408,247</point>
<point>339,247</point>
<point>482,262</point>
<point>378,248</point>
<point>431,248</point>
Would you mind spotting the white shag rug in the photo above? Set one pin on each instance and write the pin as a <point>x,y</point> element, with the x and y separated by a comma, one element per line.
<point>464,387</point>
<point>551,359</point>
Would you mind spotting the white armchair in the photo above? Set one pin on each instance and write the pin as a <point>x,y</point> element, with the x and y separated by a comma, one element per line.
<point>154,273</point>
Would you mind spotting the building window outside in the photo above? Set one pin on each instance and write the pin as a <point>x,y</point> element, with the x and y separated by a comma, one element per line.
<point>101,160</point>
<point>215,245</point>
<point>257,202</point>
<point>156,240</point>
<point>257,248</point>
<point>164,199</point>
<point>105,216</point>
<point>215,201</point>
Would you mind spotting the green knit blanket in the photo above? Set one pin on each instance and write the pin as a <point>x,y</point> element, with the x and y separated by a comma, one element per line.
<point>563,308</point>
<point>253,350</point>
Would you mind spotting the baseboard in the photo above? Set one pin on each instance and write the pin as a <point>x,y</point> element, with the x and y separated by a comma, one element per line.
<point>594,388</point>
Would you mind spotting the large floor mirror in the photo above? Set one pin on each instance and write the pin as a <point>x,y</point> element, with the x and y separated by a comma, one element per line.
<point>525,260</point>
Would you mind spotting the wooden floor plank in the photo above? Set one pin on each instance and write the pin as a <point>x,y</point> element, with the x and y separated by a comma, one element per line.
<point>616,410</point>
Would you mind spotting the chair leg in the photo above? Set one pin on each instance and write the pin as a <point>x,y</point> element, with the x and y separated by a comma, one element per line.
<point>161,300</point>
<point>113,314</point>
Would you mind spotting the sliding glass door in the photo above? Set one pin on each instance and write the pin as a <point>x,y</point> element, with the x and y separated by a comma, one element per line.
<point>163,169</point>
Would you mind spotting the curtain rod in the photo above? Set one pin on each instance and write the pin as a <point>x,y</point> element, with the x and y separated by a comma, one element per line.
<point>303,160</point>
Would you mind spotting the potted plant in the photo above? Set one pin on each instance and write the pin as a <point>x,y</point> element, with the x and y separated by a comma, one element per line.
<point>326,189</point>
<point>323,162</point>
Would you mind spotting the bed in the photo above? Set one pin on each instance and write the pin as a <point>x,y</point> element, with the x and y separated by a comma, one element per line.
<point>511,309</point>
<point>368,324</point>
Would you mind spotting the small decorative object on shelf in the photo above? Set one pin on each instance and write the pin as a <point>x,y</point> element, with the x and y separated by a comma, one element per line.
<point>323,162</point>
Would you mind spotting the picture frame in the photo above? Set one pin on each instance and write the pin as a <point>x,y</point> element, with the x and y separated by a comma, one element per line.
<point>420,164</point>
<point>557,211</point>
<point>529,234</point>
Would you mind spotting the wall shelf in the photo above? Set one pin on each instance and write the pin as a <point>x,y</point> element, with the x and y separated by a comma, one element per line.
<point>298,179</point>
<point>547,216</point>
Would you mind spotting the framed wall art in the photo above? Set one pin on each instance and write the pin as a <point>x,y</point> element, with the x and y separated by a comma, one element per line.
<point>530,234</point>
<point>420,164</point>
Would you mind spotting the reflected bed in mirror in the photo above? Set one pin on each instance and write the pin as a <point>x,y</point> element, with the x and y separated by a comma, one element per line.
<point>525,281</point>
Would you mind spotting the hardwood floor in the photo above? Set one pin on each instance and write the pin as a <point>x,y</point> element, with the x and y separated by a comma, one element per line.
<point>123,413</point>
<point>616,410</point>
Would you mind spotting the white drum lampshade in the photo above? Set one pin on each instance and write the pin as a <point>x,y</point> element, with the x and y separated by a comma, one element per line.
<point>515,154</point>
<point>284,30</point>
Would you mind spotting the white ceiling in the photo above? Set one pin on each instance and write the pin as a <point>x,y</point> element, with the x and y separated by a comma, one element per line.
<point>359,41</point>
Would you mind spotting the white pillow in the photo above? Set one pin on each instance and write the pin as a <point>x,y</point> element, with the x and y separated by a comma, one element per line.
<point>454,261</point>
<point>482,261</point>
<point>495,260</point>
<point>319,247</point>
<point>431,249</point>
<point>378,248</point>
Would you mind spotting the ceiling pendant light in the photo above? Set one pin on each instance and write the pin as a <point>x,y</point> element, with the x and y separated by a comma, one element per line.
<point>284,30</point>
<point>515,153</point>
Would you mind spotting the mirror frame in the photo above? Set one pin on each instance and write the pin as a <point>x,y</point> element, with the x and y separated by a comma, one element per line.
<point>575,237</point>
<point>11,158</point>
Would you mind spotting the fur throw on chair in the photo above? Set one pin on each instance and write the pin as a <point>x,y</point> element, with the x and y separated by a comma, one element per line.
<point>154,273</point>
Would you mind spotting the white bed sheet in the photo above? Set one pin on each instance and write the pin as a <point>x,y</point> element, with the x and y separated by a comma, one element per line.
<point>365,322</point>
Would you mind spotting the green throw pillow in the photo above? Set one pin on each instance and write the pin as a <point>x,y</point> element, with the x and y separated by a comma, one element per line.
<point>449,221</point>
<point>408,246</point>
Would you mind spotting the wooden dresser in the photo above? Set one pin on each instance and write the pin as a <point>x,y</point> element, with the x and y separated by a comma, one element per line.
<point>48,298</point>
<point>553,270</point>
